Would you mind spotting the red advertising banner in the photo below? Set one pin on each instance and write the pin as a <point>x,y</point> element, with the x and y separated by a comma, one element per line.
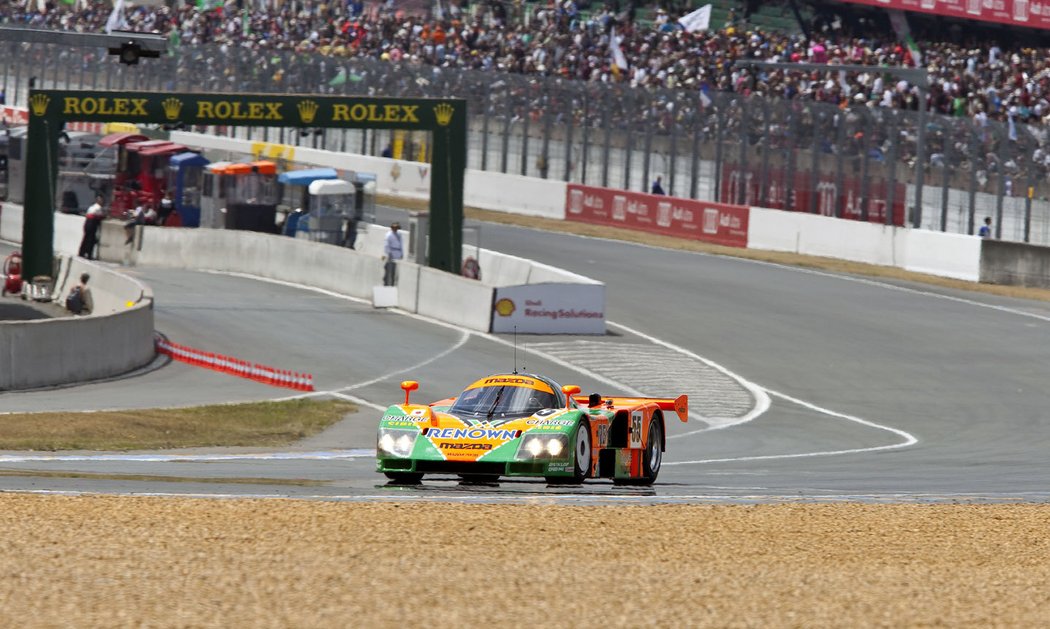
<point>717,223</point>
<point>14,115</point>
<point>1014,12</point>
<point>742,186</point>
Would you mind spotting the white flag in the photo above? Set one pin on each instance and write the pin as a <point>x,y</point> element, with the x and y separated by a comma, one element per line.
<point>116,21</point>
<point>698,20</point>
<point>619,60</point>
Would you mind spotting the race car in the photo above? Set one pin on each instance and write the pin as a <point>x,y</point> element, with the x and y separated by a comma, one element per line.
<point>516,424</point>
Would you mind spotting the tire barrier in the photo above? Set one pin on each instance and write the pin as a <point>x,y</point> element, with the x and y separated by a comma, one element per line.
<point>235,366</point>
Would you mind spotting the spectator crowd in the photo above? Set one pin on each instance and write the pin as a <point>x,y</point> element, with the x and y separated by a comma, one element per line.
<point>975,79</point>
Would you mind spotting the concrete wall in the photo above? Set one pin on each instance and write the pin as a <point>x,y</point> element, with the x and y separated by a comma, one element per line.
<point>935,253</point>
<point>116,338</point>
<point>1015,263</point>
<point>944,254</point>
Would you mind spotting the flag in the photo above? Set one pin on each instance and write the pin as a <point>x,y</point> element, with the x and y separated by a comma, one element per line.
<point>339,78</point>
<point>699,20</point>
<point>174,40</point>
<point>616,53</point>
<point>899,21</point>
<point>116,21</point>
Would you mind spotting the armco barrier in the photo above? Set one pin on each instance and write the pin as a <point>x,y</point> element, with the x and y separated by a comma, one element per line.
<point>116,338</point>
<point>717,223</point>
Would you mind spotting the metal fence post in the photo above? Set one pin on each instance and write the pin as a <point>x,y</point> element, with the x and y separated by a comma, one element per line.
<point>719,131</point>
<point>648,150</point>
<point>767,148</point>
<point>791,171</point>
<point>525,120</point>
<point>485,126</point>
<point>586,150</point>
<point>946,170</point>
<point>891,193</point>
<point>673,160</point>
<point>570,128</point>
<point>814,163</point>
<point>840,175</point>
<point>697,118</point>
<point>920,159</point>
<point>544,159</point>
<point>743,168</point>
<point>507,117</point>
<point>607,139</point>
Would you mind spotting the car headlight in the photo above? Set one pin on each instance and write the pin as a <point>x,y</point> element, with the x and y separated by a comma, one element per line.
<point>396,442</point>
<point>543,446</point>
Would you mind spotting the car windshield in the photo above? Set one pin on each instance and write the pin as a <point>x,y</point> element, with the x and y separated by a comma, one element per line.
<point>501,402</point>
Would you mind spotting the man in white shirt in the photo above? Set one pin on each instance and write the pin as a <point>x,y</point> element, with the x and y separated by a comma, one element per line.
<point>393,251</point>
<point>92,222</point>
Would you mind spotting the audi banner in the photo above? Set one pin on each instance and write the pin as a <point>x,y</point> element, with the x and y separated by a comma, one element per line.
<point>717,223</point>
<point>1016,12</point>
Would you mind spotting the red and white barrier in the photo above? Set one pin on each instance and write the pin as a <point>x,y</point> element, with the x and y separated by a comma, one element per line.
<point>235,366</point>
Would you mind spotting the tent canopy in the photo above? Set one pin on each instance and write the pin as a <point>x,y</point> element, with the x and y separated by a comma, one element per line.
<point>331,186</point>
<point>305,177</point>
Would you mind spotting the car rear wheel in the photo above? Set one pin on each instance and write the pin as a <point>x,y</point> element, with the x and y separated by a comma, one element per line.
<point>581,467</point>
<point>404,478</point>
<point>652,456</point>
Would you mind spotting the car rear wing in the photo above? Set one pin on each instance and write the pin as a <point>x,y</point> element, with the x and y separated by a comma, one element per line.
<point>680,404</point>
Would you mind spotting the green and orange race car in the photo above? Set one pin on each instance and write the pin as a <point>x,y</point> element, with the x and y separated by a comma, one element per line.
<point>526,425</point>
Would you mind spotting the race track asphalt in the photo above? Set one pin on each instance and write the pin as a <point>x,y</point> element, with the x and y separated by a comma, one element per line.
<point>805,385</point>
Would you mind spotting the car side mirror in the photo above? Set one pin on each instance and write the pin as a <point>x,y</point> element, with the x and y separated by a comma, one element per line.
<point>569,390</point>
<point>409,385</point>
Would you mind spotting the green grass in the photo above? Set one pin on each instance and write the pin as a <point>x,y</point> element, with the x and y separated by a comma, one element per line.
<point>253,424</point>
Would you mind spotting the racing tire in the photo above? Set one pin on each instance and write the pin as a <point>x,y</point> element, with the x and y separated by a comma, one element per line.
<point>652,457</point>
<point>581,460</point>
<point>405,478</point>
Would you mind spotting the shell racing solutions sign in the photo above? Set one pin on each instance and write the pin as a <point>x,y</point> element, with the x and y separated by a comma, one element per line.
<point>549,309</point>
<point>717,223</point>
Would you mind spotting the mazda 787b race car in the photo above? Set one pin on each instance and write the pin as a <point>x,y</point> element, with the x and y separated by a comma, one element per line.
<point>526,425</point>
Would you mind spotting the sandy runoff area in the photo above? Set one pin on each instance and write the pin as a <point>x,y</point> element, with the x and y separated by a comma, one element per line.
<point>165,562</point>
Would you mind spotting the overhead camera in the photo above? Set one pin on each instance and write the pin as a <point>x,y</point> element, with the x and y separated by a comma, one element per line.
<point>130,52</point>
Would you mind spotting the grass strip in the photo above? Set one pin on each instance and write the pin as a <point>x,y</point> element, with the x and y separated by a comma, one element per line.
<point>251,424</point>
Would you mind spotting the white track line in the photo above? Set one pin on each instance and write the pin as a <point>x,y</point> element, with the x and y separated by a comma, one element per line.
<point>762,402</point>
<point>908,438</point>
<point>320,455</point>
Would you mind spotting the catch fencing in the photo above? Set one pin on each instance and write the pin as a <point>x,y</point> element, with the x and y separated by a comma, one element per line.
<point>853,162</point>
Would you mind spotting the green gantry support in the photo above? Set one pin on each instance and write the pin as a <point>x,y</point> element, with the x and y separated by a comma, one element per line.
<point>49,110</point>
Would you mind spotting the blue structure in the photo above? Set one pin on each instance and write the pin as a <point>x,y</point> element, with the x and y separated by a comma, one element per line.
<point>306,177</point>
<point>185,172</point>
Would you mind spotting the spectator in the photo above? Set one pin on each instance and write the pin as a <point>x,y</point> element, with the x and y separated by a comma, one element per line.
<point>392,252</point>
<point>92,222</point>
<point>351,233</point>
<point>167,206</point>
<point>986,230</point>
<point>79,300</point>
<point>658,187</point>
